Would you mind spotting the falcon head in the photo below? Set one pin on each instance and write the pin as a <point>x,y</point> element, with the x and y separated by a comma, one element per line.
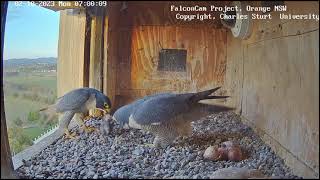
<point>103,102</point>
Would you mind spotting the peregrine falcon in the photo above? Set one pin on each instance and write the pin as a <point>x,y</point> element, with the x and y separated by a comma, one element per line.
<point>122,114</point>
<point>168,115</point>
<point>76,103</point>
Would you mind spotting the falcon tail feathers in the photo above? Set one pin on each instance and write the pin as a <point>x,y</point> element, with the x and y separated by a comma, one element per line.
<point>205,95</point>
<point>49,110</point>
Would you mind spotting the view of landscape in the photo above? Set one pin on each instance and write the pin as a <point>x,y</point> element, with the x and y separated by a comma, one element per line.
<point>29,71</point>
<point>29,85</point>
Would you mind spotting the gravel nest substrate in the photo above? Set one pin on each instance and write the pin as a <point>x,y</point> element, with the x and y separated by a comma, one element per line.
<point>123,153</point>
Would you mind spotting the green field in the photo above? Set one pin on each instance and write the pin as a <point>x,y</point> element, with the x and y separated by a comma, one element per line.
<point>31,80</point>
<point>41,84</point>
<point>26,93</point>
<point>19,107</point>
<point>33,132</point>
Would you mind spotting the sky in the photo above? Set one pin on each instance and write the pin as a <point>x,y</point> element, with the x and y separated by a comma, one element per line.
<point>31,32</point>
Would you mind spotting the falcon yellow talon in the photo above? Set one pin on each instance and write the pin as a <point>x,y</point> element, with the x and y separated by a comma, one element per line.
<point>87,118</point>
<point>68,135</point>
<point>89,129</point>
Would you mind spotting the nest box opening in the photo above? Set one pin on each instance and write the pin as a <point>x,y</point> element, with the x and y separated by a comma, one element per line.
<point>172,60</point>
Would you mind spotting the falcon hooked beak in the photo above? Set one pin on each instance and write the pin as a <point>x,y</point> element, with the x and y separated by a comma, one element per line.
<point>106,108</point>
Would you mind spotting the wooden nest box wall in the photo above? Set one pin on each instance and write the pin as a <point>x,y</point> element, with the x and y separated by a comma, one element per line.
<point>136,49</point>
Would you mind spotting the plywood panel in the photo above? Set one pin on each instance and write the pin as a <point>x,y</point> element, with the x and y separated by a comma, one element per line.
<point>276,28</point>
<point>124,62</point>
<point>280,85</point>
<point>234,72</point>
<point>206,60</point>
<point>71,50</point>
<point>281,95</point>
<point>158,13</point>
<point>96,51</point>
<point>214,22</point>
<point>111,39</point>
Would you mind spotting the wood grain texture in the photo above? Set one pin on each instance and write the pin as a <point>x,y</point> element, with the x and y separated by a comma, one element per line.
<point>141,35</point>
<point>171,19</point>
<point>281,92</point>
<point>277,28</point>
<point>273,80</point>
<point>206,60</point>
<point>234,72</point>
<point>71,51</point>
<point>280,86</point>
<point>158,13</point>
<point>111,38</point>
<point>96,51</point>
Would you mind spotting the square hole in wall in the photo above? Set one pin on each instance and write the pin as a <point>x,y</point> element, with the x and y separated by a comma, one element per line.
<point>172,60</point>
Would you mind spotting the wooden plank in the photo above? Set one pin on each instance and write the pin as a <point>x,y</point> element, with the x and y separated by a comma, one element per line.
<point>158,13</point>
<point>6,161</point>
<point>87,44</point>
<point>234,72</point>
<point>280,85</point>
<point>146,32</point>
<point>171,19</point>
<point>290,159</point>
<point>276,28</point>
<point>206,58</point>
<point>111,38</point>
<point>281,90</point>
<point>123,65</point>
<point>137,73</point>
<point>96,51</point>
<point>71,51</point>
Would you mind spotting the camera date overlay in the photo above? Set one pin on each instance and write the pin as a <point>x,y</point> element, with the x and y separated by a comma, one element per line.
<point>201,13</point>
<point>61,3</point>
<point>256,12</point>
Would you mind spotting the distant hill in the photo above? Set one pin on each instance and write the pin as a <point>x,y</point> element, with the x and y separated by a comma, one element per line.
<point>28,62</point>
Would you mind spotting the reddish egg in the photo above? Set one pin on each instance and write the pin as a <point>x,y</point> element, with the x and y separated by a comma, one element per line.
<point>223,152</point>
<point>235,154</point>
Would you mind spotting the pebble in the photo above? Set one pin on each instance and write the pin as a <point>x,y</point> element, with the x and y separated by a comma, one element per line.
<point>122,154</point>
<point>137,152</point>
<point>95,176</point>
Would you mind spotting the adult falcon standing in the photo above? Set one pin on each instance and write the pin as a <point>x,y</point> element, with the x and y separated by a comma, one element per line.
<point>77,103</point>
<point>168,115</point>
